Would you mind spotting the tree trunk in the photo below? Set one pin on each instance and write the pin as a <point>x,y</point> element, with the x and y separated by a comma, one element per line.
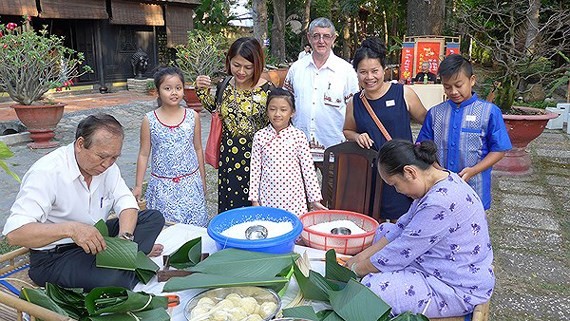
<point>425,17</point>
<point>306,21</point>
<point>260,20</point>
<point>346,37</point>
<point>278,31</point>
<point>532,25</point>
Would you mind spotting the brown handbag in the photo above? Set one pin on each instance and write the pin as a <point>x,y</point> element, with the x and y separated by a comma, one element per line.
<point>212,152</point>
<point>374,117</point>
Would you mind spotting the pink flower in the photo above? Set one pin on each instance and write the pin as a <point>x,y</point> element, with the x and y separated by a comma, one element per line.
<point>11,26</point>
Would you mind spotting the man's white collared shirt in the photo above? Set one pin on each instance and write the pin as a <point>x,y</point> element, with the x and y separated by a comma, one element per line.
<point>320,97</point>
<point>54,191</point>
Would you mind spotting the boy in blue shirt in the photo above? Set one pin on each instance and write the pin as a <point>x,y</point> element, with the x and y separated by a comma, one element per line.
<point>470,133</point>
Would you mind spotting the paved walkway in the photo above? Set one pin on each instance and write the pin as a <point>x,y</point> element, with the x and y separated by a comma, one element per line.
<point>530,225</point>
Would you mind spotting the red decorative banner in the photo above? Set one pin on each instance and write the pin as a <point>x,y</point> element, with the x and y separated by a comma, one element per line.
<point>407,61</point>
<point>452,48</point>
<point>428,51</point>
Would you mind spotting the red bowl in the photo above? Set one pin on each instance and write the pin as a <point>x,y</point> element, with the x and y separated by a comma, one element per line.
<point>343,244</point>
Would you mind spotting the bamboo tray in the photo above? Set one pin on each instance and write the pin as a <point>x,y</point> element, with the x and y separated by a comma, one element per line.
<point>13,308</point>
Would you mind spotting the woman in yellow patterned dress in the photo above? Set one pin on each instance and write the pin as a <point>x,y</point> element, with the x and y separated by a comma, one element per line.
<point>243,113</point>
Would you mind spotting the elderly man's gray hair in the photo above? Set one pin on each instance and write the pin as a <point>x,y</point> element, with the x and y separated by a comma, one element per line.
<point>321,23</point>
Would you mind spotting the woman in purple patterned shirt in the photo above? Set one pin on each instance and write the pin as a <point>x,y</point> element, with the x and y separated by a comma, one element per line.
<point>437,258</point>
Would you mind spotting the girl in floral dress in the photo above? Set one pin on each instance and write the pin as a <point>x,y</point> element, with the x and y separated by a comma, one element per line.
<point>282,171</point>
<point>171,134</point>
<point>243,113</point>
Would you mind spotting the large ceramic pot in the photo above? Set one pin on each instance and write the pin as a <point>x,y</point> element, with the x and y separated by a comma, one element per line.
<point>522,130</point>
<point>191,98</point>
<point>40,120</point>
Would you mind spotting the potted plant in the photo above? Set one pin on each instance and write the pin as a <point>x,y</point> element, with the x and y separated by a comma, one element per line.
<point>203,54</point>
<point>522,40</point>
<point>151,88</point>
<point>31,63</point>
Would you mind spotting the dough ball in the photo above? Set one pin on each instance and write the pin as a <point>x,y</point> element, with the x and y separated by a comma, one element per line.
<point>253,317</point>
<point>237,314</point>
<point>235,298</point>
<point>267,308</point>
<point>249,304</point>
<point>206,301</point>
<point>198,311</point>
<point>225,304</point>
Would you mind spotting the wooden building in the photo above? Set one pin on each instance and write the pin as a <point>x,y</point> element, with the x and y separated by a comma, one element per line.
<point>109,32</point>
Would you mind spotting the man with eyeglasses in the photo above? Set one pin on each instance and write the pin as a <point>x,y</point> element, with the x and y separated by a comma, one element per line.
<point>321,84</point>
<point>64,194</point>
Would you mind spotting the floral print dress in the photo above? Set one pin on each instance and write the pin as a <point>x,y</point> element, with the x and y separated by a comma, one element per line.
<point>175,185</point>
<point>243,113</point>
<point>439,256</point>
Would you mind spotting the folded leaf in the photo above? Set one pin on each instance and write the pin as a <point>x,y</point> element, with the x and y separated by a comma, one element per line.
<point>120,300</point>
<point>302,312</point>
<point>315,286</point>
<point>102,227</point>
<point>245,263</point>
<point>356,302</point>
<point>71,300</point>
<point>154,315</point>
<point>119,254</point>
<point>335,271</point>
<point>145,267</point>
<point>187,255</point>
<point>204,280</point>
<point>39,297</point>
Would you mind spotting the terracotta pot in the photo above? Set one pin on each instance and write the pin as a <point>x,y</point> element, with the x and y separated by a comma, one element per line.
<point>522,130</point>
<point>40,120</point>
<point>276,76</point>
<point>191,98</point>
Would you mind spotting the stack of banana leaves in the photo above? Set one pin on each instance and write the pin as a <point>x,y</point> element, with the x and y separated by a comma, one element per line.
<point>348,299</point>
<point>101,304</point>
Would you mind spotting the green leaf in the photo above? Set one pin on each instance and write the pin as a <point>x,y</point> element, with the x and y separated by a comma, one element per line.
<point>332,316</point>
<point>145,267</point>
<point>39,297</point>
<point>101,226</point>
<point>154,315</point>
<point>240,263</point>
<point>6,153</point>
<point>203,280</point>
<point>120,300</point>
<point>303,312</point>
<point>409,316</point>
<point>119,254</point>
<point>71,300</point>
<point>356,302</point>
<point>335,271</point>
<point>187,255</point>
<point>314,287</point>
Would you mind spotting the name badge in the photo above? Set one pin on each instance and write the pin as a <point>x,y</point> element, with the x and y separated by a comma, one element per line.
<point>470,118</point>
<point>390,103</point>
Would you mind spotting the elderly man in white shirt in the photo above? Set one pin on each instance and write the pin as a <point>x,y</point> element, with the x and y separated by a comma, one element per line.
<point>64,194</point>
<point>321,84</point>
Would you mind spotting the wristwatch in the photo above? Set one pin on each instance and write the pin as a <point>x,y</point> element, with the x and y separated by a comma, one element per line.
<point>127,236</point>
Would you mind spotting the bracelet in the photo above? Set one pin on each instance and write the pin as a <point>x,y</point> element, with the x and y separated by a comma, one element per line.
<point>353,268</point>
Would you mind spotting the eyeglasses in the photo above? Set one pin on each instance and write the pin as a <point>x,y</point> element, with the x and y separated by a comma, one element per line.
<point>324,37</point>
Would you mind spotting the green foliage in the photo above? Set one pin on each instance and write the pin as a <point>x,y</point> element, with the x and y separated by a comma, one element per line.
<point>150,85</point>
<point>6,153</point>
<point>203,54</point>
<point>213,15</point>
<point>32,63</point>
<point>505,95</point>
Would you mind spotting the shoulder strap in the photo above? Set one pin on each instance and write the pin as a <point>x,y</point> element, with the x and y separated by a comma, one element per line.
<point>374,117</point>
<point>220,90</point>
